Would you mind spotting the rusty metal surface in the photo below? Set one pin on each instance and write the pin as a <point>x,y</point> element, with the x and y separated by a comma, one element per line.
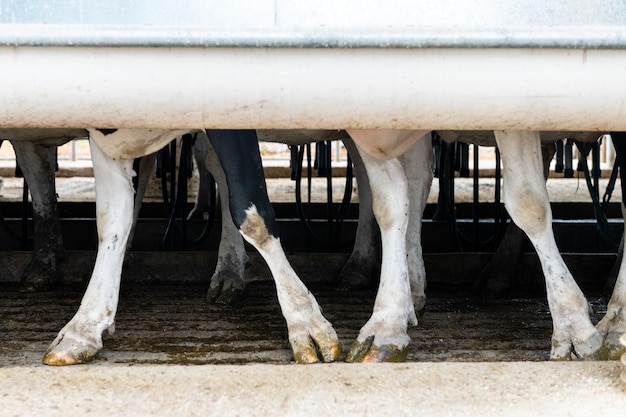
<point>170,323</point>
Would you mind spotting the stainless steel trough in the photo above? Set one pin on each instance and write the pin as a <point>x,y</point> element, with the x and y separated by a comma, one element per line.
<point>425,64</point>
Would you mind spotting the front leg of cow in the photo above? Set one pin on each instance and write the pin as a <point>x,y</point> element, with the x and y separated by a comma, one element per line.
<point>311,336</point>
<point>81,338</point>
<point>384,337</point>
<point>526,200</point>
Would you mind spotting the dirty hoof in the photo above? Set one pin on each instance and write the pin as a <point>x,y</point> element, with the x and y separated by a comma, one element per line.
<point>612,349</point>
<point>323,346</point>
<point>612,327</point>
<point>368,351</point>
<point>39,276</point>
<point>69,352</point>
<point>313,354</point>
<point>226,288</point>
<point>39,283</point>
<point>590,348</point>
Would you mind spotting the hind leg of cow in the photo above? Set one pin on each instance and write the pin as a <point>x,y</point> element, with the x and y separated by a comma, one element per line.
<point>145,171</point>
<point>37,163</point>
<point>227,282</point>
<point>81,338</point>
<point>384,337</point>
<point>613,325</point>
<point>526,200</point>
<point>311,336</point>
<point>500,275</point>
<point>363,266</point>
<point>418,167</point>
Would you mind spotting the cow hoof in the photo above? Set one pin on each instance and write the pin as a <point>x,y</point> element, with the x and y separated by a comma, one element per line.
<point>612,327</point>
<point>38,283</point>
<point>612,349</point>
<point>226,288</point>
<point>368,352</point>
<point>313,352</point>
<point>37,278</point>
<point>69,352</point>
<point>355,276</point>
<point>588,349</point>
<point>317,341</point>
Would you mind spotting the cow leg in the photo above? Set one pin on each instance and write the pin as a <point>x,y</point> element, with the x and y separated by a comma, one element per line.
<point>200,155</point>
<point>309,332</point>
<point>144,174</point>
<point>81,338</point>
<point>227,283</point>
<point>526,200</point>
<point>363,265</point>
<point>501,274</point>
<point>384,337</point>
<point>418,166</point>
<point>37,163</point>
<point>613,324</point>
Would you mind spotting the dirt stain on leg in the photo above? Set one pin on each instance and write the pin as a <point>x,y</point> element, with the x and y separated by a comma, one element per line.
<point>255,229</point>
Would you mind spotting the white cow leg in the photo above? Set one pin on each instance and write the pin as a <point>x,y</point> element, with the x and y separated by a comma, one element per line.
<point>81,338</point>
<point>418,166</point>
<point>526,200</point>
<point>384,337</point>
<point>310,334</point>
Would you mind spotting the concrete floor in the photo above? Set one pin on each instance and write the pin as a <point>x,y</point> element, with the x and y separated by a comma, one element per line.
<point>430,389</point>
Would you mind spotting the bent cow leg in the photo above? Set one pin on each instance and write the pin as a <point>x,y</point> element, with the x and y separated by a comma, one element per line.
<point>309,331</point>
<point>526,200</point>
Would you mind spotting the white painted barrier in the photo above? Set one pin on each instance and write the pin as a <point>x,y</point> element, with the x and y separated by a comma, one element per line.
<point>427,64</point>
